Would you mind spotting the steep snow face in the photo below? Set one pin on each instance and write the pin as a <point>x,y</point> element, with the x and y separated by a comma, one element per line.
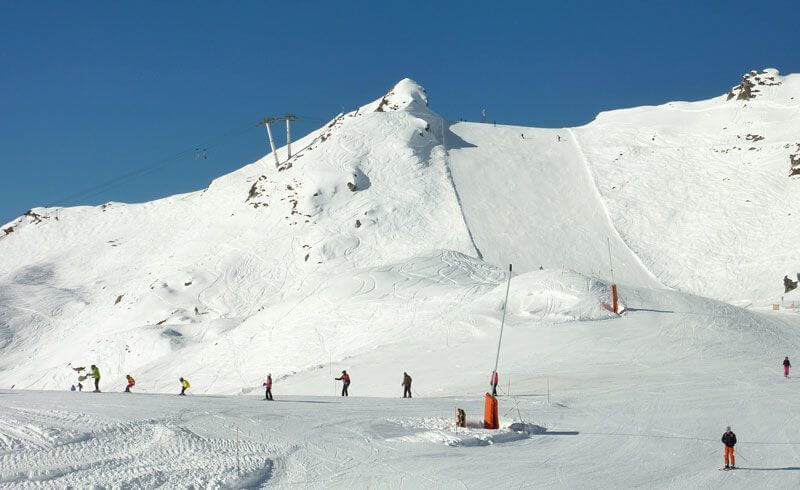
<point>702,191</point>
<point>696,196</point>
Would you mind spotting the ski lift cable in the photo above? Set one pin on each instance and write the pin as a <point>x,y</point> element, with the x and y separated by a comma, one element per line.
<point>94,190</point>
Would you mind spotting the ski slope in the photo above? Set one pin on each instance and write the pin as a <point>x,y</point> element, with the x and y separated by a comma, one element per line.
<point>638,400</point>
<point>389,223</point>
<point>720,214</point>
<point>382,246</point>
<point>526,193</point>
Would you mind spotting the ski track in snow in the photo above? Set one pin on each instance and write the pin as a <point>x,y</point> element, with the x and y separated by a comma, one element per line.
<point>381,247</point>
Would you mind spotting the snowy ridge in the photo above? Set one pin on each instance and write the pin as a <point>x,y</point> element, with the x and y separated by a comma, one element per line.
<point>361,253</point>
<point>371,232</point>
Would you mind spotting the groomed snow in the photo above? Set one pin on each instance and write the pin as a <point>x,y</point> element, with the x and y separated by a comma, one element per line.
<point>634,401</point>
<point>381,247</point>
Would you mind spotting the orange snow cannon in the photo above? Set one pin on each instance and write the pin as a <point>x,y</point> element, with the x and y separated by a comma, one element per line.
<point>490,418</point>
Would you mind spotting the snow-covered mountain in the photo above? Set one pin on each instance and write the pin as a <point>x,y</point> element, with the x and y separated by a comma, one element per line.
<point>385,238</point>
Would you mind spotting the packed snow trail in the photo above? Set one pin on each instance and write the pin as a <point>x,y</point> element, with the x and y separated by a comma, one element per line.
<point>529,200</point>
<point>622,423</point>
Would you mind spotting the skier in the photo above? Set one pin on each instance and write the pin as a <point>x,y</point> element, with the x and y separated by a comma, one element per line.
<point>345,379</point>
<point>184,385</point>
<point>268,386</point>
<point>95,373</point>
<point>72,388</point>
<point>406,385</point>
<point>729,439</point>
<point>80,386</point>
<point>493,380</point>
<point>131,383</point>
<point>786,366</point>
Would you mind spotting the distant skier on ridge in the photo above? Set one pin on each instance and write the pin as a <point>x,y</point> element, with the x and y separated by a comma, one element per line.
<point>729,439</point>
<point>493,380</point>
<point>786,366</point>
<point>406,385</point>
<point>345,379</point>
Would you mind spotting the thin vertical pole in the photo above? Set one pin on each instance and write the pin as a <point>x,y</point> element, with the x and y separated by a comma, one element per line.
<point>503,321</point>
<point>288,139</point>
<point>238,466</point>
<point>614,297</point>
<point>272,144</point>
<point>548,390</point>
<point>444,140</point>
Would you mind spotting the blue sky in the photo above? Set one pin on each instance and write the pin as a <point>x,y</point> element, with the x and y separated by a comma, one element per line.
<point>96,91</point>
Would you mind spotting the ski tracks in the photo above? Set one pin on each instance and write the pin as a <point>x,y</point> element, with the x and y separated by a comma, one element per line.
<point>37,451</point>
<point>601,202</point>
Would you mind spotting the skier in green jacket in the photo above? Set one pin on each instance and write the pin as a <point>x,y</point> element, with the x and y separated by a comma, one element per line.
<point>95,373</point>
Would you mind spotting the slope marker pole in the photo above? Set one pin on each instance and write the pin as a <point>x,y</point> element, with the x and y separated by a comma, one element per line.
<point>614,297</point>
<point>503,321</point>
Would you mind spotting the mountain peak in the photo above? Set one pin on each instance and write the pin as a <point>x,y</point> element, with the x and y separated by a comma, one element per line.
<point>405,95</point>
<point>752,82</point>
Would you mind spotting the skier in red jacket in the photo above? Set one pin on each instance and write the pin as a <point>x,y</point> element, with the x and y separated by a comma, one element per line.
<point>493,381</point>
<point>345,379</point>
<point>131,383</point>
<point>268,386</point>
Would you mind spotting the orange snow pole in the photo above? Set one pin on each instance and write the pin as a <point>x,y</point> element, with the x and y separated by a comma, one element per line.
<point>490,418</point>
<point>614,299</point>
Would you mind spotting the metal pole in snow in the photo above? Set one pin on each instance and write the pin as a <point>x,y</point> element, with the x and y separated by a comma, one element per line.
<point>548,390</point>
<point>288,139</point>
<point>272,144</point>
<point>614,297</point>
<point>610,264</point>
<point>503,321</point>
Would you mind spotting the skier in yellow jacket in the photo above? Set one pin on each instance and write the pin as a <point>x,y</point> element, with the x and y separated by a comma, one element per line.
<point>184,385</point>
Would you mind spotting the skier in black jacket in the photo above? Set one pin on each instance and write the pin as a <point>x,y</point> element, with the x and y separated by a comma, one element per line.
<point>729,439</point>
<point>786,366</point>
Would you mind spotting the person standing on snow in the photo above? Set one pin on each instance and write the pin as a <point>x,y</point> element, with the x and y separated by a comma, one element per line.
<point>184,385</point>
<point>406,385</point>
<point>345,379</point>
<point>493,381</point>
<point>131,383</point>
<point>786,366</point>
<point>95,373</point>
<point>729,439</point>
<point>268,387</point>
